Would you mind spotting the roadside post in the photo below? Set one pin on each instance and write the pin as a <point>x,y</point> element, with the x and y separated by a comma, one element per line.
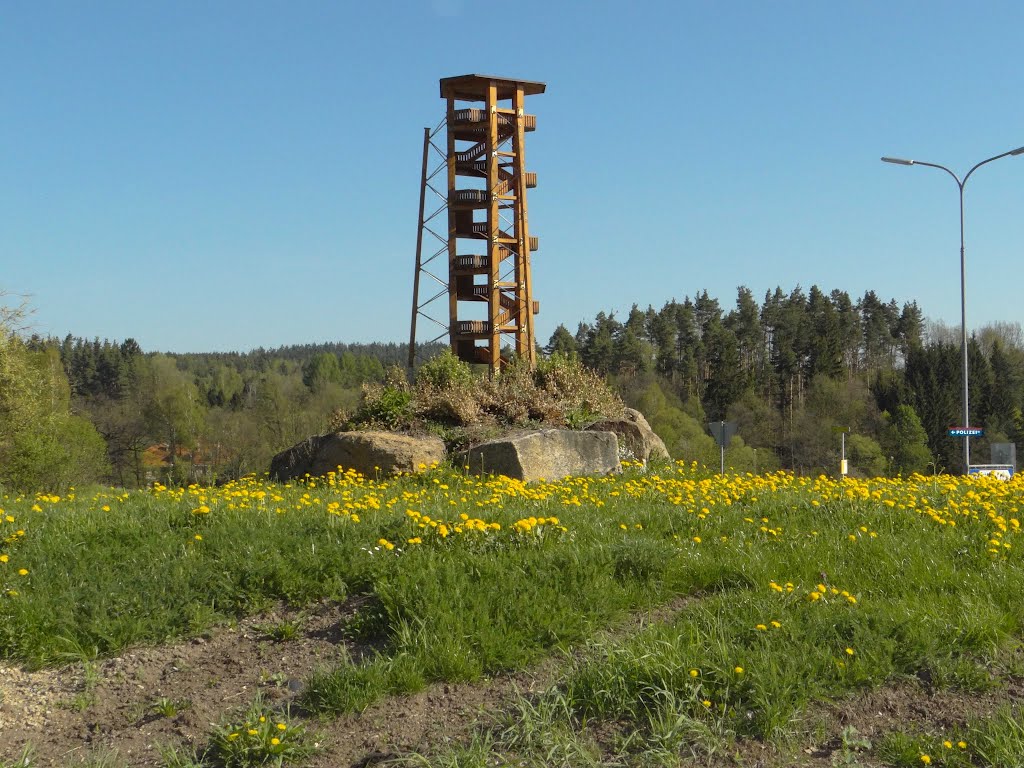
<point>843,467</point>
<point>722,431</point>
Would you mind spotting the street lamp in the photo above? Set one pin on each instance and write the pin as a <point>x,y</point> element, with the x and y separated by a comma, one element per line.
<point>963,278</point>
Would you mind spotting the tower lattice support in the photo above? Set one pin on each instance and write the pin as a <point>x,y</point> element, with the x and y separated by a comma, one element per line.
<point>487,244</point>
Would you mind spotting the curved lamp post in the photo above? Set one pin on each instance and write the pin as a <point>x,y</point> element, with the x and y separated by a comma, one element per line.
<point>963,278</point>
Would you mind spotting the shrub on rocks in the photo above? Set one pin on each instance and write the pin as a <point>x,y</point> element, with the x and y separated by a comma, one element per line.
<point>465,406</point>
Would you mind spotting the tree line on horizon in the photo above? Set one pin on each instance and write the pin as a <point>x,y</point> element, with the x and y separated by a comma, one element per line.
<point>798,368</point>
<point>789,371</point>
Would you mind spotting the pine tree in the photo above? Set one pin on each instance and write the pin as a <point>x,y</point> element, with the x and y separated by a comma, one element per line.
<point>561,343</point>
<point>745,323</point>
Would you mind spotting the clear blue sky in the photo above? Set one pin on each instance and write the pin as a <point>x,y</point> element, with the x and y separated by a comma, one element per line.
<point>226,175</point>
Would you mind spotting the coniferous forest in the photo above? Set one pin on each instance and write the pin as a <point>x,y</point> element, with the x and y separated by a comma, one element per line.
<point>792,371</point>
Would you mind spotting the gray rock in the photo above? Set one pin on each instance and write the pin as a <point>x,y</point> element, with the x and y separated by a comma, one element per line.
<point>635,435</point>
<point>548,454</point>
<point>369,453</point>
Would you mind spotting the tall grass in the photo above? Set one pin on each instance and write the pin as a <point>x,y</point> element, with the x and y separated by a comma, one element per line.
<point>798,589</point>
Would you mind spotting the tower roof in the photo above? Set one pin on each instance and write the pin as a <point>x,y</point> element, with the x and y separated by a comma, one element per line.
<point>474,87</point>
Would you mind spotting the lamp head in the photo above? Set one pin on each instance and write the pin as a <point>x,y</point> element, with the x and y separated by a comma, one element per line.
<point>900,161</point>
<point>1018,151</point>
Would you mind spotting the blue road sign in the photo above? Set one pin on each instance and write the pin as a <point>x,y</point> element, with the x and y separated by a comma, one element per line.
<point>966,432</point>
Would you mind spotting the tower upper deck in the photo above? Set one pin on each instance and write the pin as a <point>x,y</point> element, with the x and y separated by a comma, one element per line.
<point>474,87</point>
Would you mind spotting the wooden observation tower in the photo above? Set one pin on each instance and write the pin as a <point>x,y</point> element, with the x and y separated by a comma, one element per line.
<point>482,259</point>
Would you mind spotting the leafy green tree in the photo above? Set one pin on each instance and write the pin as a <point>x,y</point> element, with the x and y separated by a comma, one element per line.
<point>906,441</point>
<point>740,457</point>
<point>172,408</point>
<point>223,385</point>
<point>758,422</point>
<point>321,369</point>
<point>42,445</point>
<point>279,409</point>
<point>63,451</point>
<point>865,456</point>
<point>683,434</point>
<point>234,443</point>
<point>123,426</point>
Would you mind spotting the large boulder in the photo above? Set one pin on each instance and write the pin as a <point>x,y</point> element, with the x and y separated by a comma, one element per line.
<point>369,453</point>
<point>637,440</point>
<point>545,454</point>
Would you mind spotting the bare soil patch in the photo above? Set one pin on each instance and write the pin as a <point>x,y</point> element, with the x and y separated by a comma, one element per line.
<point>113,706</point>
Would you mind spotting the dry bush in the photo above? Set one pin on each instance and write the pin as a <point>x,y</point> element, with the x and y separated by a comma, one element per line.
<point>448,398</point>
<point>457,405</point>
<point>581,394</point>
<point>510,395</point>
